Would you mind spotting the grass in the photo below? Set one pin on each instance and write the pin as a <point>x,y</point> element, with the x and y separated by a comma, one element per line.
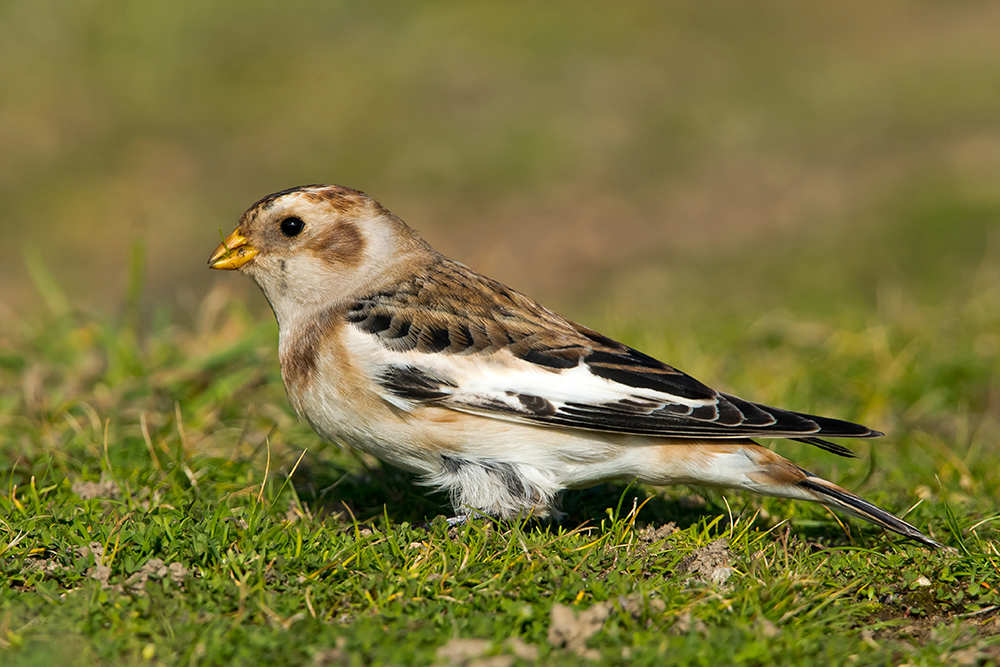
<point>806,193</point>
<point>161,505</point>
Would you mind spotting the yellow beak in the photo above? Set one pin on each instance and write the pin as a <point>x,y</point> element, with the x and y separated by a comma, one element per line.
<point>232,253</point>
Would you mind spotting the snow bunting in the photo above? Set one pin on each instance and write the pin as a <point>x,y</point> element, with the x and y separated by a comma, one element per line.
<point>389,347</point>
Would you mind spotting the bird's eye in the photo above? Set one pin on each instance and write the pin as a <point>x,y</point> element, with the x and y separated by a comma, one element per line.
<point>292,226</point>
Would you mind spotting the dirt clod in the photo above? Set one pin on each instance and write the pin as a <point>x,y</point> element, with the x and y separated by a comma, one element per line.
<point>634,605</point>
<point>103,489</point>
<point>571,631</point>
<point>523,650</point>
<point>687,623</point>
<point>710,563</point>
<point>154,568</point>
<point>469,653</point>
<point>650,535</point>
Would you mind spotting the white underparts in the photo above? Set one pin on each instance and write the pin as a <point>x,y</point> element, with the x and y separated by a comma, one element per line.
<point>496,488</point>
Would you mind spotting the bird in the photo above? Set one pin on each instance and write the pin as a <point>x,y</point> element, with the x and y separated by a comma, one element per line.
<point>391,348</point>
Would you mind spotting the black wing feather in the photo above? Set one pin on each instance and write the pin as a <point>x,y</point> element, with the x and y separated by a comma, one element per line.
<point>451,310</point>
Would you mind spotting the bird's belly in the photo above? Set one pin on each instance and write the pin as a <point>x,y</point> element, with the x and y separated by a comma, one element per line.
<point>422,439</point>
<point>427,439</point>
<point>565,457</point>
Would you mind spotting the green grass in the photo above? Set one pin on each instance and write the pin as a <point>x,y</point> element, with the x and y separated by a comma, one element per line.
<point>332,559</point>
<point>794,202</point>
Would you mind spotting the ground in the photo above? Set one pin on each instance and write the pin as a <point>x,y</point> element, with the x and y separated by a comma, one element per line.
<point>162,505</point>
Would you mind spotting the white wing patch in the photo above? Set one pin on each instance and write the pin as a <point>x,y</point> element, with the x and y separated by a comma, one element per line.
<point>501,372</point>
<point>501,385</point>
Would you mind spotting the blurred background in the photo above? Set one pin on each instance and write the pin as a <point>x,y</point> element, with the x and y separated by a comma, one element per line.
<point>629,161</point>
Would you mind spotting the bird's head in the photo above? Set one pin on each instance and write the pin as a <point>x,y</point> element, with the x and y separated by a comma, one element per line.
<point>313,246</point>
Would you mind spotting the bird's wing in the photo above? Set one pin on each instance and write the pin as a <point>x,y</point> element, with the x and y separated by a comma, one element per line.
<point>459,340</point>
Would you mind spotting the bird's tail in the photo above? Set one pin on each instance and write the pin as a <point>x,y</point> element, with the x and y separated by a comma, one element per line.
<point>842,500</point>
<point>746,465</point>
<point>777,476</point>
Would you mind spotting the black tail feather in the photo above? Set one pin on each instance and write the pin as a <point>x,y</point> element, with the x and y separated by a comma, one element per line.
<point>845,501</point>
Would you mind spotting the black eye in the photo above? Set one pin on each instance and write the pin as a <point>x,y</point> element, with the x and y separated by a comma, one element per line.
<point>292,226</point>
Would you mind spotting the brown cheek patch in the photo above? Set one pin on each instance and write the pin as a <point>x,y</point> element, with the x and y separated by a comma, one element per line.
<point>342,244</point>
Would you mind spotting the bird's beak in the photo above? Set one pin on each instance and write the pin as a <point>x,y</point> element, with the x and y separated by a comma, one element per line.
<point>232,253</point>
